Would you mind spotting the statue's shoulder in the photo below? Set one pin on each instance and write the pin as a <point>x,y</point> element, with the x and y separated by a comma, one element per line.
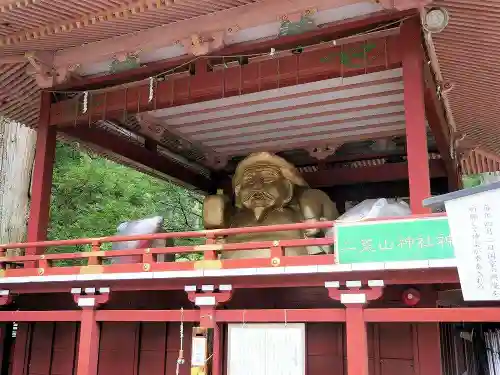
<point>315,203</point>
<point>303,192</point>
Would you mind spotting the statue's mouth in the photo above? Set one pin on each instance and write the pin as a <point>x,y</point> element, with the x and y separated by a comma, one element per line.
<point>259,197</point>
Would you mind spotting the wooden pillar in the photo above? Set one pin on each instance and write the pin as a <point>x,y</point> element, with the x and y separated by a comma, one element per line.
<point>22,349</point>
<point>88,345</point>
<point>429,349</point>
<point>217,350</point>
<point>42,176</point>
<point>355,295</point>
<point>218,294</point>
<point>416,132</point>
<point>356,340</point>
<point>89,300</point>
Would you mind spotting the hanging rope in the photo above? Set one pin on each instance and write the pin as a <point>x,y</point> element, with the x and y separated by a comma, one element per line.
<point>180,359</point>
<point>151,89</point>
<point>243,322</point>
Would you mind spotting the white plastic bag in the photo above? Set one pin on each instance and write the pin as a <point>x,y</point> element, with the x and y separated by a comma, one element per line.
<point>376,208</point>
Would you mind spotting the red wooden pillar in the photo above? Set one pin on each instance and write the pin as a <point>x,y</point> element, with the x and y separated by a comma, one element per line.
<point>207,298</point>
<point>355,295</point>
<point>217,350</point>
<point>429,348</point>
<point>22,348</point>
<point>88,346</point>
<point>89,300</point>
<point>42,176</point>
<point>356,340</point>
<point>416,132</point>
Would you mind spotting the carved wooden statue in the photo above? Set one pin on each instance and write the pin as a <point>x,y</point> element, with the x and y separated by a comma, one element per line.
<point>268,190</point>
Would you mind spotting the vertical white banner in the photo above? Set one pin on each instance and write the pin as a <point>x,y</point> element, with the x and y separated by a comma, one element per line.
<point>266,349</point>
<point>475,231</point>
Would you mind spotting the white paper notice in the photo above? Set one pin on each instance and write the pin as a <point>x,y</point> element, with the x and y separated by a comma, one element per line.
<point>266,349</point>
<point>475,231</point>
<point>198,351</point>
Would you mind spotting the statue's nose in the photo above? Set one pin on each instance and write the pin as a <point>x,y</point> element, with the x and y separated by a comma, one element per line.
<point>257,183</point>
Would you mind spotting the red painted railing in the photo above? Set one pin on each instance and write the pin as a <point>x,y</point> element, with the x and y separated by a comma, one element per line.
<point>38,262</point>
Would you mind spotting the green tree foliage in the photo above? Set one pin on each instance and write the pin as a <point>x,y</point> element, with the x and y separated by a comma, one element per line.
<point>91,196</point>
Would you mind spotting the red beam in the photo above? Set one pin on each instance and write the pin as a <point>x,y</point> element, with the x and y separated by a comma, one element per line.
<point>335,30</point>
<point>314,64</point>
<point>379,315</point>
<point>399,277</point>
<point>448,276</point>
<point>224,316</point>
<point>40,316</point>
<point>162,236</point>
<point>378,173</point>
<point>432,315</point>
<point>147,315</point>
<point>174,250</point>
<point>280,315</point>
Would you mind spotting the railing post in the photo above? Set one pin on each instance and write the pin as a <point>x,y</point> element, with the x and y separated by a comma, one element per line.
<point>42,178</point>
<point>277,251</point>
<point>210,254</point>
<point>95,260</point>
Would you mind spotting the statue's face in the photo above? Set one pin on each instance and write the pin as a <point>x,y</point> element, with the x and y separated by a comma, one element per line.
<point>264,186</point>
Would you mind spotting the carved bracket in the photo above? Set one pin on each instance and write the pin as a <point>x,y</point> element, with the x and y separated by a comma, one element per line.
<point>355,292</point>
<point>45,73</point>
<point>404,4</point>
<point>216,161</point>
<point>5,297</point>
<point>322,152</point>
<point>444,88</point>
<point>461,146</point>
<point>170,138</point>
<point>200,45</point>
<point>90,298</point>
<point>297,16</point>
<point>207,298</point>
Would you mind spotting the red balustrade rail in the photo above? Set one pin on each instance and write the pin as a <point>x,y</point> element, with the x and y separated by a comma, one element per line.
<point>38,262</point>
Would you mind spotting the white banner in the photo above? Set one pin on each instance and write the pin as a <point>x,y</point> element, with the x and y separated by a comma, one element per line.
<point>475,231</point>
<point>266,349</point>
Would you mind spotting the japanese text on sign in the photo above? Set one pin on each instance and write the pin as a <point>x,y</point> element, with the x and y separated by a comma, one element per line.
<point>406,243</point>
<point>474,223</point>
<point>394,240</point>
